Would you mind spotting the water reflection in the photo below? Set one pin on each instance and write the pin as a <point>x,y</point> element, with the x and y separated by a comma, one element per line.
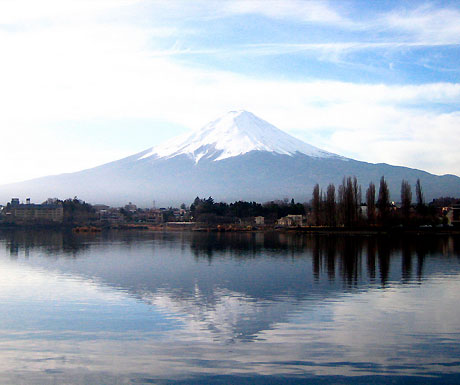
<point>324,249</point>
<point>139,307</point>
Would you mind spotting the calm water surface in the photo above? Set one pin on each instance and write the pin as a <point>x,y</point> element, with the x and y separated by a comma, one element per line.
<point>147,308</point>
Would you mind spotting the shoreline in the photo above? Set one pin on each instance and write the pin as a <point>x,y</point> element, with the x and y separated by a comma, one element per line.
<point>196,227</point>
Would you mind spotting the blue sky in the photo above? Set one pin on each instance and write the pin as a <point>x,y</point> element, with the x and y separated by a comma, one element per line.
<point>87,82</point>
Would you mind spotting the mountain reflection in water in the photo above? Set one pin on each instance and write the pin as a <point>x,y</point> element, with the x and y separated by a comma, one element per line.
<point>140,307</point>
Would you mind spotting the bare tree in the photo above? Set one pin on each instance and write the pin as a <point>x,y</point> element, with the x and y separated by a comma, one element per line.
<point>419,193</point>
<point>370,200</point>
<point>358,198</point>
<point>406,198</point>
<point>331,206</point>
<point>383,203</point>
<point>341,203</point>
<point>316,205</point>
<point>421,208</point>
<point>348,198</point>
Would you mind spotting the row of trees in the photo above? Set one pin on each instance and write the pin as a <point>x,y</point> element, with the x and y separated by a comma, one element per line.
<point>206,210</point>
<point>346,206</point>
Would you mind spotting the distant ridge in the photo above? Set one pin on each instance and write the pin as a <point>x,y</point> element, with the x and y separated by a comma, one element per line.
<point>236,157</point>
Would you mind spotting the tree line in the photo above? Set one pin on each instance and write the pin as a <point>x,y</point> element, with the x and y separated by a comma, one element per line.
<point>206,210</point>
<point>346,207</point>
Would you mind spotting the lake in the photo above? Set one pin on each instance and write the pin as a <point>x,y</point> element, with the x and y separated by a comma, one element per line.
<point>220,308</point>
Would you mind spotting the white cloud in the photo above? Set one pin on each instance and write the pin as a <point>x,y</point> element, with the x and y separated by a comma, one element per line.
<point>26,11</point>
<point>413,138</point>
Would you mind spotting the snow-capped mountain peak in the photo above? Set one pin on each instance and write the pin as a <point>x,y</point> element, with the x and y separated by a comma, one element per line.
<point>235,133</point>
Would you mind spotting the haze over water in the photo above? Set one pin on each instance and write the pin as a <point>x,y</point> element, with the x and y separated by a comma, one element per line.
<point>133,308</point>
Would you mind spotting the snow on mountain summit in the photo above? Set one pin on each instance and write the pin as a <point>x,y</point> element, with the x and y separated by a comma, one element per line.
<point>235,133</point>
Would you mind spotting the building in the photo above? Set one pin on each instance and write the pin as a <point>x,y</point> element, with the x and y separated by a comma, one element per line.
<point>109,214</point>
<point>100,207</point>
<point>131,207</point>
<point>453,215</point>
<point>30,213</point>
<point>155,216</point>
<point>260,221</point>
<point>149,216</point>
<point>290,220</point>
<point>363,208</point>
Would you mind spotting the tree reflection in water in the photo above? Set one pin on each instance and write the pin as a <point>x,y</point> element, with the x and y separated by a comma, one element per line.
<point>330,254</point>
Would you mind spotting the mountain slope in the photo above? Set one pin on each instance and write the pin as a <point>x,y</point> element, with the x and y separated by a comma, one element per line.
<point>238,156</point>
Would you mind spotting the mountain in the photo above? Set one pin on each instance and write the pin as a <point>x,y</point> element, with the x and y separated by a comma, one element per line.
<point>234,134</point>
<point>238,156</point>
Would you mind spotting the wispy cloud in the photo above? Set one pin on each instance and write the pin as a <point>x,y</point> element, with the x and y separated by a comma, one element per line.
<point>426,25</point>
<point>334,31</point>
<point>346,47</point>
<point>306,11</point>
<point>312,11</point>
